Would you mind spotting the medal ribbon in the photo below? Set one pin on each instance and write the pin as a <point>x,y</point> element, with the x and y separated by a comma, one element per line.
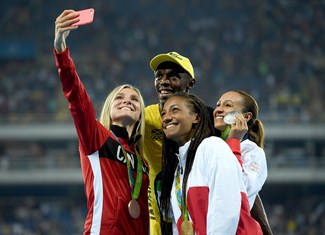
<point>134,187</point>
<point>225,134</point>
<point>180,200</point>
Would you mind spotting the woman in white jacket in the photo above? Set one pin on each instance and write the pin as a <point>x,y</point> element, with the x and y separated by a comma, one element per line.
<point>202,188</point>
<point>236,116</point>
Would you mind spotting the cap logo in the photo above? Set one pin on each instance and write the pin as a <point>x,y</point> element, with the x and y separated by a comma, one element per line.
<point>175,55</point>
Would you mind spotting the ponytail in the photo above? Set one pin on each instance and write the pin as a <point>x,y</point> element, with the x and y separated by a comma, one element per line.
<point>256,132</point>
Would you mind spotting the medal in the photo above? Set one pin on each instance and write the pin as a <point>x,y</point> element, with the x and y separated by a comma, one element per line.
<point>230,117</point>
<point>134,209</point>
<point>135,184</point>
<point>187,227</point>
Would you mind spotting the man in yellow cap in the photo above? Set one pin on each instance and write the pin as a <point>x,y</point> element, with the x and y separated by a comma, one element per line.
<point>173,73</point>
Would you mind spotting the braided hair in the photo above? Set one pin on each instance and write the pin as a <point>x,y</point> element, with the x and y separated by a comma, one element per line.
<point>203,129</point>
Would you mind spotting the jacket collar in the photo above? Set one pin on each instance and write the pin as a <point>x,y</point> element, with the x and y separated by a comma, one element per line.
<point>121,132</point>
<point>182,153</point>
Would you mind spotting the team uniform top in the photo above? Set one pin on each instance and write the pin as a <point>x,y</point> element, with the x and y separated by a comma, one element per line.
<point>216,197</point>
<point>152,153</point>
<point>255,168</point>
<point>103,163</point>
<point>253,161</point>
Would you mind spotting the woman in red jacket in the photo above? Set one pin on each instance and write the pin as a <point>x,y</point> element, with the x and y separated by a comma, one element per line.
<point>114,175</point>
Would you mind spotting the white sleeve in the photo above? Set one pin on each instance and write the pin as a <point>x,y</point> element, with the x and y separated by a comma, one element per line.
<point>255,169</point>
<point>224,175</point>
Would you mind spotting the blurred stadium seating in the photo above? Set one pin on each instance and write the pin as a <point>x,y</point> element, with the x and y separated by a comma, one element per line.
<point>274,49</point>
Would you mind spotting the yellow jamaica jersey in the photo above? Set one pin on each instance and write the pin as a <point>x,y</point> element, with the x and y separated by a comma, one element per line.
<point>153,156</point>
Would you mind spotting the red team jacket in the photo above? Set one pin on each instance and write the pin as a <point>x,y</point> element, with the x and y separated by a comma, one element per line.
<point>103,164</point>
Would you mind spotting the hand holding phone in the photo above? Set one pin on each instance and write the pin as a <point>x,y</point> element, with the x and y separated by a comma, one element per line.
<point>85,17</point>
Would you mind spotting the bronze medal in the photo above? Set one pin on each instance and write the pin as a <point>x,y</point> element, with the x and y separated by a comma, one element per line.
<point>134,209</point>
<point>187,228</point>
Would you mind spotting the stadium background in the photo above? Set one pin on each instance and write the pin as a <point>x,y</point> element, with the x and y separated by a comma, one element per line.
<point>273,49</point>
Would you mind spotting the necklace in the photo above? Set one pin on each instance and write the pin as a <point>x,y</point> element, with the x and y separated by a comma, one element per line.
<point>187,225</point>
<point>135,186</point>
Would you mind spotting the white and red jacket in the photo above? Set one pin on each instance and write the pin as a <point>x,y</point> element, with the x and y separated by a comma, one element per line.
<point>216,196</point>
<point>103,163</point>
<point>253,161</point>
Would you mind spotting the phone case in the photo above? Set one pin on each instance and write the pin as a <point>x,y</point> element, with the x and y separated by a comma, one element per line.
<point>86,17</point>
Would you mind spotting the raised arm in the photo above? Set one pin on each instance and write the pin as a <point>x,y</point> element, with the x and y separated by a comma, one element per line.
<point>237,132</point>
<point>89,130</point>
<point>62,28</point>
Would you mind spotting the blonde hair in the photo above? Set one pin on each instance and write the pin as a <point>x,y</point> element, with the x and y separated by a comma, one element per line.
<point>105,117</point>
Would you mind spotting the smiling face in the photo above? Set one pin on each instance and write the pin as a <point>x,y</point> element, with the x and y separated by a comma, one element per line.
<point>228,102</point>
<point>171,78</point>
<point>126,108</point>
<point>178,120</point>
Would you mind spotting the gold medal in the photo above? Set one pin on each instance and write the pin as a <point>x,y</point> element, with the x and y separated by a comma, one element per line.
<point>134,209</point>
<point>187,228</point>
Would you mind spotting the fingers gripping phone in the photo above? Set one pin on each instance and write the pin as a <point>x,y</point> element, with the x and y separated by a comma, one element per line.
<point>85,17</point>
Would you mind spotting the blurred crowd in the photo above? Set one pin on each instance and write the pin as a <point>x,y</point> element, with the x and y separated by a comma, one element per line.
<point>273,49</point>
<point>290,214</point>
<point>37,154</point>
<point>40,215</point>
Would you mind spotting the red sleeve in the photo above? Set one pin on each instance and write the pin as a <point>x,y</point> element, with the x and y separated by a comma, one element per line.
<point>234,144</point>
<point>90,132</point>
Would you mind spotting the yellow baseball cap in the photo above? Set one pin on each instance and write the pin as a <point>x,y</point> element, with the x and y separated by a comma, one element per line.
<point>182,61</point>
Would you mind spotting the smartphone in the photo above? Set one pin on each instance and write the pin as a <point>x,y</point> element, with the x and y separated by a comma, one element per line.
<point>85,17</point>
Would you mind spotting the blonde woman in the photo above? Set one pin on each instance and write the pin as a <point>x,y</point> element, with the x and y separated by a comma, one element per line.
<point>114,174</point>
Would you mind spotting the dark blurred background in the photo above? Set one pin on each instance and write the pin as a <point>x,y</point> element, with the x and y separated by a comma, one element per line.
<point>273,49</point>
